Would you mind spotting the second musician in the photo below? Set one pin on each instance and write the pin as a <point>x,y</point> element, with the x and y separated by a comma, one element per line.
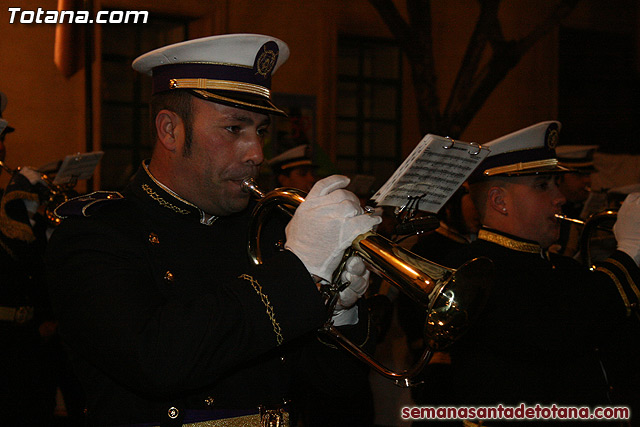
<point>536,341</point>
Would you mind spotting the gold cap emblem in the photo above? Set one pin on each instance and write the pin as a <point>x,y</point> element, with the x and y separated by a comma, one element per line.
<point>266,59</point>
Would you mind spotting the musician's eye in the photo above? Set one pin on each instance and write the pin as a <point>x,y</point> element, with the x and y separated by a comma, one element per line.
<point>544,184</point>
<point>263,132</point>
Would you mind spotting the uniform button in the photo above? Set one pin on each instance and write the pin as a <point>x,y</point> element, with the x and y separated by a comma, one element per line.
<point>173,412</point>
<point>168,276</point>
<point>154,239</point>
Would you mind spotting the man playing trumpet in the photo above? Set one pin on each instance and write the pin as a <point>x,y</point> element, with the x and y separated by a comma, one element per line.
<point>166,318</point>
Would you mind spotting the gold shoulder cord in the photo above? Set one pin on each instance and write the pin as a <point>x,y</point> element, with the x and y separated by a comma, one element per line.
<point>265,300</point>
<point>630,280</point>
<point>616,281</point>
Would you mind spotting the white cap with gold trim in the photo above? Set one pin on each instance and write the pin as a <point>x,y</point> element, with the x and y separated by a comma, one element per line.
<point>577,157</point>
<point>294,157</point>
<point>527,151</point>
<point>231,69</point>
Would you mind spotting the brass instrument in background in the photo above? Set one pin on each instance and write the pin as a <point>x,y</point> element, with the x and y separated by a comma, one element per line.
<point>55,194</point>
<point>452,298</point>
<point>595,222</point>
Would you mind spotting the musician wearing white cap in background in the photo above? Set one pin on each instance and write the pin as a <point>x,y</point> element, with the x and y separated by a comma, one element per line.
<point>295,168</point>
<point>575,185</point>
<point>536,340</point>
<point>167,319</point>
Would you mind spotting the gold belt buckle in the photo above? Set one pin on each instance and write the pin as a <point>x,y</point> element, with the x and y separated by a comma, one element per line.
<point>273,417</point>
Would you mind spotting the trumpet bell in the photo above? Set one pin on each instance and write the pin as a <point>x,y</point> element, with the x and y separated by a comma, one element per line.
<point>458,304</point>
<point>451,298</point>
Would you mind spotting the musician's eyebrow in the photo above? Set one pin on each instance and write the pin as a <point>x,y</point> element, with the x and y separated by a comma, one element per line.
<point>543,178</point>
<point>245,118</point>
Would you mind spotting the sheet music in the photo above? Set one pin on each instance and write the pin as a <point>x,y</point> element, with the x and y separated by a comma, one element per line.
<point>433,171</point>
<point>77,166</point>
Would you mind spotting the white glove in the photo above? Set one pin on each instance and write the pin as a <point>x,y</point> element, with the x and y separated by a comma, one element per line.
<point>355,272</point>
<point>32,175</point>
<point>325,224</point>
<point>627,227</point>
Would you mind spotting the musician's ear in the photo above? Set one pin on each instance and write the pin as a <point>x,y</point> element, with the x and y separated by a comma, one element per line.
<point>167,129</point>
<point>496,200</point>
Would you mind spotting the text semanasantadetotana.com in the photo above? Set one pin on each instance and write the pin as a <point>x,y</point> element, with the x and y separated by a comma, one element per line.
<point>520,412</point>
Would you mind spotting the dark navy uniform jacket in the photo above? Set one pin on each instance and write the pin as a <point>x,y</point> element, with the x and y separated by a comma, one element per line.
<point>546,319</point>
<point>28,362</point>
<point>162,311</point>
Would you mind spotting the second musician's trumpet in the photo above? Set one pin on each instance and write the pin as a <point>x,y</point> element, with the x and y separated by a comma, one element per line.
<point>592,224</point>
<point>451,298</point>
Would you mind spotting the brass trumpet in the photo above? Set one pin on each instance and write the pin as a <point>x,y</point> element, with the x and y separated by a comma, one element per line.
<point>452,298</point>
<point>592,224</point>
<point>56,195</point>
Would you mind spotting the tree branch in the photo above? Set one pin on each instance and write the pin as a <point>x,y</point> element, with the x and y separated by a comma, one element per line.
<point>420,17</point>
<point>399,28</point>
<point>472,86</point>
<point>506,55</point>
<point>416,42</point>
<point>487,28</point>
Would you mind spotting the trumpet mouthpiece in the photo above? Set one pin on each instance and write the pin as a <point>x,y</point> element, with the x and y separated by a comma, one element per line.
<point>561,217</point>
<point>250,186</point>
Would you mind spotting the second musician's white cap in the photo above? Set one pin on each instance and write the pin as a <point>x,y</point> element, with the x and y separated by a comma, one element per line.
<point>527,151</point>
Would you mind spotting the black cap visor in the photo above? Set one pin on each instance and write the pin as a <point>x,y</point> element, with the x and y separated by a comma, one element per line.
<point>240,100</point>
